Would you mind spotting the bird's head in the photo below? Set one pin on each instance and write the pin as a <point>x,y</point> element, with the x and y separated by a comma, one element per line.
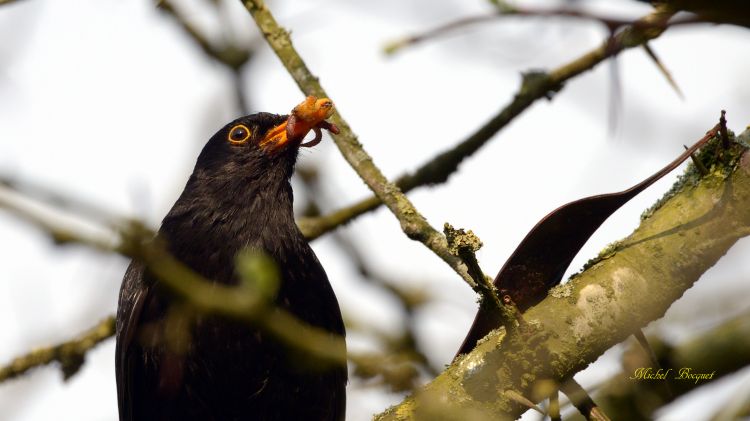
<point>258,143</point>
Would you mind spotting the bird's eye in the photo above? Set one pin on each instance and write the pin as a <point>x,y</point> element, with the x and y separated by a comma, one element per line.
<point>239,134</point>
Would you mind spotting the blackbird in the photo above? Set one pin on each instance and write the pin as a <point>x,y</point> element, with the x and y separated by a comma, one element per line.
<point>172,364</point>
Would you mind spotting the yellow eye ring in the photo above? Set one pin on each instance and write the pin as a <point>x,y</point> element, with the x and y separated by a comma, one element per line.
<point>239,134</point>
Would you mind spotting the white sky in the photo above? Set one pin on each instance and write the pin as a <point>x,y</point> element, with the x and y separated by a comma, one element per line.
<point>108,102</point>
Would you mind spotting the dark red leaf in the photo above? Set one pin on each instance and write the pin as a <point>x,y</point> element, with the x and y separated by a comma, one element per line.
<point>544,255</point>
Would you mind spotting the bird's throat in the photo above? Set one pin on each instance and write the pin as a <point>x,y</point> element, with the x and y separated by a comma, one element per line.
<point>226,223</point>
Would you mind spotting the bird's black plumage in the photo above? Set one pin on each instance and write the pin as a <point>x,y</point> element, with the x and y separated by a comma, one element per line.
<point>173,367</point>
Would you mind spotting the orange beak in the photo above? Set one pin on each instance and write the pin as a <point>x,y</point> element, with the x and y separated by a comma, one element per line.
<point>308,115</point>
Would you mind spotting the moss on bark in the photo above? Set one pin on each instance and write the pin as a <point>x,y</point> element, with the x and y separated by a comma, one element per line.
<point>599,308</point>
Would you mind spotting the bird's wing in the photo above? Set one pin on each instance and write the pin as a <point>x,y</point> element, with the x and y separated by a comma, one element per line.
<point>132,297</point>
<point>339,396</point>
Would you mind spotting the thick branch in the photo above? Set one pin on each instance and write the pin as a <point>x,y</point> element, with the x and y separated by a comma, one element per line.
<point>535,85</point>
<point>69,354</point>
<point>580,320</point>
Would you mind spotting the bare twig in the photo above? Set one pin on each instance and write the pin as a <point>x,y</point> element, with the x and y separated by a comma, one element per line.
<point>414,225</point>
<point>612,24</point>
<point>228,53</point>
<point>70,354</point>
<point>465,245</point>
<point>582,401</point>
<point>554,407</point>
<point>522,400</point>
<point>723,129</point>
<point>663,69</point>
<point>697,162</point>
<point>535,85</point>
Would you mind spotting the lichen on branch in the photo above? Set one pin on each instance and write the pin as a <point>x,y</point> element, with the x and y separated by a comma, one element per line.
<point>413,223</point>
<point>69,354</point>
<point>602,306</point>
<point>535,85</point>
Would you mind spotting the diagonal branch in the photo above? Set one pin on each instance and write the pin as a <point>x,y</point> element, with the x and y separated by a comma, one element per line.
<point>612,24</point>
<point>693,227</point>
<point>535,86</point>
<point>414,225</point>
<point>230,54</point>
<point>70,354</point>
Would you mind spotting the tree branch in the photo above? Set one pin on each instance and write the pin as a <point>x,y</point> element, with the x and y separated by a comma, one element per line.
<point>229,53</point>
<point>69,354</point>
<point>414,225</point>
<point>612,24</point>
<point>242,302</point>
<point>535,85</point>
<point>697,223</point>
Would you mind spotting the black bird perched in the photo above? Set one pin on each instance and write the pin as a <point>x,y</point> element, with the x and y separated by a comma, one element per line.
<point>210,368</point>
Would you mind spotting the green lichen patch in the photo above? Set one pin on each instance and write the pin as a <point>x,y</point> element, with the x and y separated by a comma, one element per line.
<point>561,290</point>
<point>604,254</point>
<point>719,162</point>
<point>460,240</point>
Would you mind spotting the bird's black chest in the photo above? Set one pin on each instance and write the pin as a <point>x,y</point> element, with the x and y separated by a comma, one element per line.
<point>209,241</point>
<point>220,368</point>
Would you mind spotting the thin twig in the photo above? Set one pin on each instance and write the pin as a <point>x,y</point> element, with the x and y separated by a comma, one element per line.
<point>228,54</point>
<point>612,24</point>
<point>723,129</point>
<point>663,69</point>
<point>414,225</point>
<point>582,401</point>
<point>465,244</point>
<point>697,162</point>
<point>70,354</point>
<point>535,85</point>
<point>554,407</point>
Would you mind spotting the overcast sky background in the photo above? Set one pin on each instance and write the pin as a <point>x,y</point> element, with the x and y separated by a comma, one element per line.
<point>108,102</point>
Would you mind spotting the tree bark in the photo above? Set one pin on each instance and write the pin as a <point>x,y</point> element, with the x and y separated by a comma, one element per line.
<point>631,284</point>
